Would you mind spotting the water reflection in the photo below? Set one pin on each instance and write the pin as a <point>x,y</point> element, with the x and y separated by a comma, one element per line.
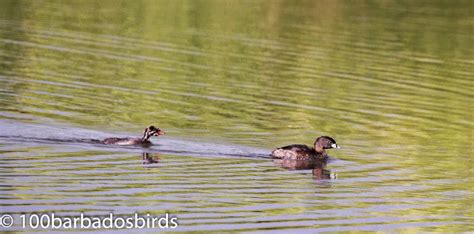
<point>318,167</point>
<point>150,159</point>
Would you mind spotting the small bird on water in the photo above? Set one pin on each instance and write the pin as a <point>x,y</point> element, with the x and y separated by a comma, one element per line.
<point>144,141</point>
<point>304,152</point>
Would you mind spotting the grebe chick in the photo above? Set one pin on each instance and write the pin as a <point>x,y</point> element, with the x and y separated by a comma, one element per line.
<point>144,141</point>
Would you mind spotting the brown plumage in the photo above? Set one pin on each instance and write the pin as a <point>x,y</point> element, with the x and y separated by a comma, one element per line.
<point>144,141</point>
<point>304,152</point>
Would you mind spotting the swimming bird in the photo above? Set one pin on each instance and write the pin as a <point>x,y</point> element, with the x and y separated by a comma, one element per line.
<point>304,152</point>
<point>144,141</point>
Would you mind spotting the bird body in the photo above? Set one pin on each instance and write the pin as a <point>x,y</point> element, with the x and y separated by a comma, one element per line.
<point>144,141</point>
<point>304,152</point>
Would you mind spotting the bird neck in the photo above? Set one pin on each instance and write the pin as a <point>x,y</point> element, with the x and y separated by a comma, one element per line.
<point>145,137</point>
<point>319,149</point>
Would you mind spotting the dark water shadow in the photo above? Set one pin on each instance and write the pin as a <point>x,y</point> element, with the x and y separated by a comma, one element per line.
<point>150,160</point>
<point>318,167</point>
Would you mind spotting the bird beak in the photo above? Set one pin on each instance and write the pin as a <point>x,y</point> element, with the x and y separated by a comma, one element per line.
<point>161,133</point>
<point>335,146</point>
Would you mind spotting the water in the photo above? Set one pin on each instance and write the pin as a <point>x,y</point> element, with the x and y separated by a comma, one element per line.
<point>391,81</point>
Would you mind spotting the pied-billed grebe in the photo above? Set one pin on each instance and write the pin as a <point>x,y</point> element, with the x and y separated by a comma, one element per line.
<point>304,152</point>
<point>144,141</point>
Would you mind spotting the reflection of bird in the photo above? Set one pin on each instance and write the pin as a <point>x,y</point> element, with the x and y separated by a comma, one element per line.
<point>317,167</point>
<point>150,158</point>
<point>300,164</point>
<point>304,152</point>
<point>144,141</point>
<point>323,174</point>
